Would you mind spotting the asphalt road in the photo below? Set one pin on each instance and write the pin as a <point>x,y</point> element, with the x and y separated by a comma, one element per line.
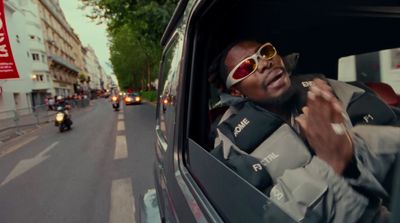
<point>97,172</point>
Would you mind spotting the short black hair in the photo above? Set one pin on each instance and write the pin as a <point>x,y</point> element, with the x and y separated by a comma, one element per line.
<point>218,70</point>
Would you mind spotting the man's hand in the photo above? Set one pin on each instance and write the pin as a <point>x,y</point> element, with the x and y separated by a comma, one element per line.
<point>331,143</point>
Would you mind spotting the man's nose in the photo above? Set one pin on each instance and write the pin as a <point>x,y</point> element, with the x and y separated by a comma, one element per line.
<point>264,64</point>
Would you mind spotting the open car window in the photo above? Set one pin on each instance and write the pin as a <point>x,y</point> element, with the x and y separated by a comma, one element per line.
<point>379,70</point>
<point>234,199</point>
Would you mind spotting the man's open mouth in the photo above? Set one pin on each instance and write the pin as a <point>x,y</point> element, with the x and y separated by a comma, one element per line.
<point>275,78</point>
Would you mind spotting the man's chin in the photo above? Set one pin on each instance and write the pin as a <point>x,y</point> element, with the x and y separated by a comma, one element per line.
<point>279,101</point>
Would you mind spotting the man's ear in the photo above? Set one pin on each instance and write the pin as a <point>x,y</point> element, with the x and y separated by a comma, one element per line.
<point>235,92</point>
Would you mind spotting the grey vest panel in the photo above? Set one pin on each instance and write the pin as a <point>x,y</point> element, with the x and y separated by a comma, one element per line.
<point>282,150</point>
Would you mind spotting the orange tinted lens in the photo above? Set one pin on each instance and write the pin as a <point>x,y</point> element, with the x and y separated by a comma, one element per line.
<point>245,68</point>
<point>267,51</point>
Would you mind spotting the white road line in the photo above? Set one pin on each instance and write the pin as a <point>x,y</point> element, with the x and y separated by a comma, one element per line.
<point>13,148</point>
<point>122,201</point>
<point>121,149</point>
<point>120,116</point>
<point>121,126</point>
<point>27,164</point>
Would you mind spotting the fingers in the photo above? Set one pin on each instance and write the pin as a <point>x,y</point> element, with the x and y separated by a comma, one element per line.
<point>301,120</point>
<point>322,84</point>
<point>318,102</point>
<point>323,103</point>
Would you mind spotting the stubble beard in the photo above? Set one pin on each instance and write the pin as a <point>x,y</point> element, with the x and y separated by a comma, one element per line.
<point>283,101</point>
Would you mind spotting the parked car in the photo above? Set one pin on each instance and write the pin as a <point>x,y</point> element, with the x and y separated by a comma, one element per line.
<point>191,184</point>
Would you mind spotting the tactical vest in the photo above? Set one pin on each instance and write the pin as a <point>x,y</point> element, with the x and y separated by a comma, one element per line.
<point>259,146</point>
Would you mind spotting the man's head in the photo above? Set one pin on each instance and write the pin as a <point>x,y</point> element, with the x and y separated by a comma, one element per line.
<point>257,72</point>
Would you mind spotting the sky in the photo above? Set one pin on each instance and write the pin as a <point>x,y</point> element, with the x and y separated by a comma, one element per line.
<point>89,32</point>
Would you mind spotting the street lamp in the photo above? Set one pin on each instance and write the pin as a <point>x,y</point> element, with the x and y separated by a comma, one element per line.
<point>33,77</point>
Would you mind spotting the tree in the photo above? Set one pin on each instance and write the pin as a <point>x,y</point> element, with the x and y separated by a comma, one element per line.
<point>82,77</point>
<point>135,28</point>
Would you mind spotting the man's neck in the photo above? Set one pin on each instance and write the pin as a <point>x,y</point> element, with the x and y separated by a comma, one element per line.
<point>284,112</point>
<point>282,108</point>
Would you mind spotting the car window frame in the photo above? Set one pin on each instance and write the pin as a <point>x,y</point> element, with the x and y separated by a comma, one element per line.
<point>186,143</point>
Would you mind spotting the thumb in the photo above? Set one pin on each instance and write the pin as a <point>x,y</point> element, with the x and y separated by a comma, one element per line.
<point>301,120</point>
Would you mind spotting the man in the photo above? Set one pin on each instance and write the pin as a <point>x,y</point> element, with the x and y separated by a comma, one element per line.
<point>320,166</point>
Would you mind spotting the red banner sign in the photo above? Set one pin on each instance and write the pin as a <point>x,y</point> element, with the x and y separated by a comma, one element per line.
<point>8,68</point>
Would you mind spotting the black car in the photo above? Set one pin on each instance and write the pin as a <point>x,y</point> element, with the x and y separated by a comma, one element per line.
<point>191,184</point>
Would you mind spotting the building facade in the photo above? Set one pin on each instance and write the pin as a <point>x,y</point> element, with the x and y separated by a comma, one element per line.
<point>63,48</point>
<point>16,94</point>
<point>92,69</point>
<point>42,83</point>
<point>48,54</point>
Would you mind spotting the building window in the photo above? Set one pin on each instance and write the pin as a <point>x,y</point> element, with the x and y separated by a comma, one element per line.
<point>27,53</point>
<point>32,36</point>
<point>17,99</point>
<point>395,54</point>
<point>43,58</point>
<point>35,56</point>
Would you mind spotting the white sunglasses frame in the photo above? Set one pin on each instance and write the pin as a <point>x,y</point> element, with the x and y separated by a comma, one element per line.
<point>230,81</point>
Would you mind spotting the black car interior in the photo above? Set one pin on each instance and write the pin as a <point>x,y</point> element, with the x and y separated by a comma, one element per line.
<point>321,32</point>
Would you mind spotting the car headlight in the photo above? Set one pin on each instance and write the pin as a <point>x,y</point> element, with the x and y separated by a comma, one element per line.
<point>59,117</point>
<point>128,99</point>
<point>137,99</point>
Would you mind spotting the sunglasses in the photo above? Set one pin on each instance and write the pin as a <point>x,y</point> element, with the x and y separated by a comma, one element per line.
<point>248,65</point>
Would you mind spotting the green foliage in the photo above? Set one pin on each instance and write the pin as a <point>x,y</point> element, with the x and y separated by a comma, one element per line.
<point>149,95</point>
<point>132,59</point>
<point>135,28</point>
<point>82,77</point>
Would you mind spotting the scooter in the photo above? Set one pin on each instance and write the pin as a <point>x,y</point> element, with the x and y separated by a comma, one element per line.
<point>115,103</point>
<point>63,119</point>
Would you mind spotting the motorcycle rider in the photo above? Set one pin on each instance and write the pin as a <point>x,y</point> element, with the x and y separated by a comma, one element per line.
<point>115,100</point>
<point>64,106</point>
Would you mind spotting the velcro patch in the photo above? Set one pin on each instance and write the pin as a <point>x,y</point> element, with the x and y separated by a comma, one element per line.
<point>250,126</point>
<point>368,109</point>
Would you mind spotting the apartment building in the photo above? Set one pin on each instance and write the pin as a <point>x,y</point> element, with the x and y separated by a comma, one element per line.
<point>15,94</point>
<point>63,48</point>
<point>92,68</point>
<point>41,81</point>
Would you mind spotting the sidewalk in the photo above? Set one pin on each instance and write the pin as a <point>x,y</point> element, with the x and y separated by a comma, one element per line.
<point>20,123</point>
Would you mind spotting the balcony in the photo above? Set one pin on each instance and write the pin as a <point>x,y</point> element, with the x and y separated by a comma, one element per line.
<point>60,61</point>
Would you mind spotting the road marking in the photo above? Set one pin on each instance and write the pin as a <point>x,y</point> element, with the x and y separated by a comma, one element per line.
<point>121,126</point>
<point>122,201</point>
<point>17,146</point>
<point>120,116</point>
<point>121,149</point>
<point>27,164</point>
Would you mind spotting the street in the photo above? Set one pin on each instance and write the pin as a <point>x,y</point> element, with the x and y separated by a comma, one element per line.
<point>96,172</point>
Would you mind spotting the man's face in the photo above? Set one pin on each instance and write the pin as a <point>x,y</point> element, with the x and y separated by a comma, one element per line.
<point>270,81</point>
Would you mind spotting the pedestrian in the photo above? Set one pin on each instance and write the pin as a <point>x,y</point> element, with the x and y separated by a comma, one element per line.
<point>51,103</point>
